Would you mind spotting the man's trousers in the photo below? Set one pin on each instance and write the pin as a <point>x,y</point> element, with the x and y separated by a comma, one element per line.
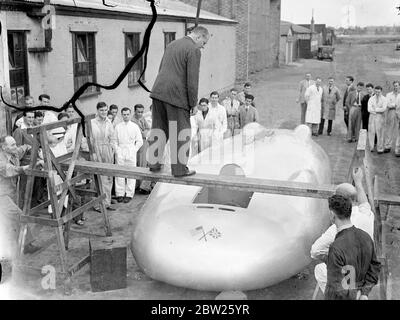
<point>105,154</point>
<point>322,124</point>
<point>346,116</point>
<point>397,148</point>
<point>174,123</point>
<point>375,126</point>
<point>391,123</point>
<point>354,127</point>
<point>125,186</point>
<point>303,112</point>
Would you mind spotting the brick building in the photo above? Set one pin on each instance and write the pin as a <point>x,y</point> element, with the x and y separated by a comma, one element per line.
<point>257,31</point>
<point>91,42</point>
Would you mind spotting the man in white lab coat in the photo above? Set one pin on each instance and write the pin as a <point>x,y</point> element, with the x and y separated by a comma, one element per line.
<point>104,145</point>
<point>377,106</point>
<point>313,96</point>
<point>206,122</point>
<point>221,118</point>
<point>128,141</point>
<point>391,122</point>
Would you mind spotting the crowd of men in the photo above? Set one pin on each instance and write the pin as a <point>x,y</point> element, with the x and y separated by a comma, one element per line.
<point>213,121</point>
<point>119,136</point>
<point>348,268</point>
<point>364,106</point>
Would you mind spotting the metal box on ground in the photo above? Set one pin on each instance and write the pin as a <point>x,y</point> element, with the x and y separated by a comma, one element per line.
<point>108,264</point>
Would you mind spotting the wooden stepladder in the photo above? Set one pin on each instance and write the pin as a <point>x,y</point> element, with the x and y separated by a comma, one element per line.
<point>60,218</point>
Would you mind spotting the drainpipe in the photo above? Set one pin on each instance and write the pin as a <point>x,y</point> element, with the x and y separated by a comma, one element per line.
<point>248,40</point>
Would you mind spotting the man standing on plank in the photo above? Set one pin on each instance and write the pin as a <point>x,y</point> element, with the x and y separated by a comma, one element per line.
<point>174,94</point>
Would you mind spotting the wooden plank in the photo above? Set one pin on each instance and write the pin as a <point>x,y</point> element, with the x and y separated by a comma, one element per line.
<point>96,178</point>
<point>47,154</point>
<point>27,199</point>
<point>72,181</point>
<point>85,207</point>
<point>362,140</point>
<point>231,182</point>
<point>64,157</point>
<point>36,173</point>
<point>67,178</point>
<point>40,220</point>
<point>359,154</point>
<point>79,265</point>
<point>58,124</point>
<point>85,192</point>
<point>59,222</point>
<point>41,206</point>
<point>61,173</point>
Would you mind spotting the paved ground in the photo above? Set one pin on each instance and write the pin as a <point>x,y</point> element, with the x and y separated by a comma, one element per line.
<point>276,92</point>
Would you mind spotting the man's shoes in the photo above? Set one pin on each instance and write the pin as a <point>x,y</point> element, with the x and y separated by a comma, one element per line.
<point>397,155</point>
<point>113,201</point>
<point>30,248</point>
<point>97,210</point>
<point>142,191</point>
<point>328,134</point>
<point>120,199</point>
<point>187,173</point>
<point>380,152</point>
<point>387,150</point>
<point>127,199</point>
<point>109,208</point>
<point>349,140</point>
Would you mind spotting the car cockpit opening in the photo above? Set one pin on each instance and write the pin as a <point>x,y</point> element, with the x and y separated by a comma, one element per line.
<point>222,196</point>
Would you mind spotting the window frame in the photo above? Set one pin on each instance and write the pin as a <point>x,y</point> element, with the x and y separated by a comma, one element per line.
<point>165,38</point>
<point>127,34</point>
<point>25,66</point>
<point>91,60</point>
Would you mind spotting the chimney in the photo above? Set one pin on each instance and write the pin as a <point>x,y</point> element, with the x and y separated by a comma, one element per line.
<point>312,27</point>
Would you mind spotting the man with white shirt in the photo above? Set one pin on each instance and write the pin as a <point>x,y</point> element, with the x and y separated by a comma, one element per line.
<point>377,106</point>
<point>303,86</point>
<point>128,141</point>
<point>393,102</point>
<point>397,148</point>
<point>361,217</point>
<point>206,122</point>
<point>49,116</point>
<point>29,103</point>
<point>232,104</point>
<point>222,121</point>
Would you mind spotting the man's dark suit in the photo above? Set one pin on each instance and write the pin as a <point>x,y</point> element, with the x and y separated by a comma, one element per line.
<point>354,103</point>
<point>345,103</point>
<point>174,93</point>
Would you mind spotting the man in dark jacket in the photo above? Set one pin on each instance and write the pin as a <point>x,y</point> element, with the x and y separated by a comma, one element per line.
<point>352,266</point>
<point>174,94</point>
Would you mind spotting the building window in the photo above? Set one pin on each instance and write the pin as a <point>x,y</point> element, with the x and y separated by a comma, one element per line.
<point>168,38</point>
<point>132,47</point>
<point>84,60</point>
<point>17,59</point>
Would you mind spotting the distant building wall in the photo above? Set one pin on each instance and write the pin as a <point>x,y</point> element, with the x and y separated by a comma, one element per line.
<point>257,31</point>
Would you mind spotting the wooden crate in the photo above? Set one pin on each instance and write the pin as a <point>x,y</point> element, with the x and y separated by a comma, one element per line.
<point>108,265</point>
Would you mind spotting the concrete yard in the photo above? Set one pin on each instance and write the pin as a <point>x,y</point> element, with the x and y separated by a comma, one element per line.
<point>276,92</point>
